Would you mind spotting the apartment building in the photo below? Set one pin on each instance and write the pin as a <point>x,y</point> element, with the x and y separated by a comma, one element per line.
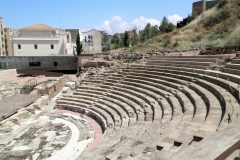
<point>9,34</point>
<point>2,38</point>
<point>40,40</point>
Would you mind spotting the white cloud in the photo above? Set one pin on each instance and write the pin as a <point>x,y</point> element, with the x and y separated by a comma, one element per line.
<point>118,25</point>
<point>141,22</point>
<point>174,18</point>
<point>115,25</point>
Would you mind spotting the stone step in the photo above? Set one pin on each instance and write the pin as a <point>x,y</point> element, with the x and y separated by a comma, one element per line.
<point>219,56</point>
<point>236,61</point>
<point>75,108</point>
<point>127,108</point>
<point>180,65</point>
<point>155,82</point>
<point>119,110</point>
<point>116,118</point>
<point>135,96</point>
<point>108,118</point>
<point>231,71</point>
<point>148,98</point>
<point>206,94</point>
<point>232,66</point>
<point>164,61</point>
<point>130,100</point>
<point>185,58</point>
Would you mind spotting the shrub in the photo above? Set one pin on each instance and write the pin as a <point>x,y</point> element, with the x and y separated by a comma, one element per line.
<point>176,44</point>
<point>199,37</point>
<point>167,42</point>
<point>221,4</point>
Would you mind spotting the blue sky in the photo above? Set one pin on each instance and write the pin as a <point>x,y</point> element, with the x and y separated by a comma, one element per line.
<point>109,15</point>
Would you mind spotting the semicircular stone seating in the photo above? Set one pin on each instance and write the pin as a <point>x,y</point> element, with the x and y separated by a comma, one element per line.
<point>158,109</point>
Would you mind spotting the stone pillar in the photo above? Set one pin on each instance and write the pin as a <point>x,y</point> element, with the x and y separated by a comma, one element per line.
<point>204,5</point>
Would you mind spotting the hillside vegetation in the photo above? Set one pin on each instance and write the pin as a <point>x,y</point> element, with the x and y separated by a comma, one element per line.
<point>217,27</point>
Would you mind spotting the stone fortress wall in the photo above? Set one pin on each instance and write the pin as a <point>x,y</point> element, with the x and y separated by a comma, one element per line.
<point>197,7</point>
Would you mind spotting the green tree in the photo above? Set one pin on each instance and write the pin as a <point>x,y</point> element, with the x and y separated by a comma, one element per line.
<point>191,17</point>
<point>121,42</point>
<point>148,32</point>
<point>171,27</point>
<point>134,37</point>
<point>115,40</point>
<point>142,36</point>
<point>148,29</point>
<point>79,49</point>
<point>154,30</point>
<point>126,40</point>
<point>105,38</point>
<point>166,26</point>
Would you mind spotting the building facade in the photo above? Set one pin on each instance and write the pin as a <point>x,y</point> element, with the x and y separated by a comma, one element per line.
<point>2,38</point>
<point>9,34</point>
<point>40,40</point>
<point>92,41</point>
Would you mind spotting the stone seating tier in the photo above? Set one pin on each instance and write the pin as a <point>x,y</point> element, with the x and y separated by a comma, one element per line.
<point>118,110</point>
<point>128,106</point>
<point>116,118</point>
<point>236,61</point>
<point>179,65</point>
<point>103,113</point>
<point>144,109</point>
<point>231,71</point>
<point>187,107</point>
<point>233,66</point>
<point>224,80</point>
<point>214,60</point>
<point>75,108</point>
<point>215,107</point>
<point>165,61</point>
<point>225,97</point>
<point>220,56</point>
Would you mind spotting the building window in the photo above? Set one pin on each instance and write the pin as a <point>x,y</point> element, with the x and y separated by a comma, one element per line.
<point>35,46</point>
<point>55,64</point>
<point>19,46</point>
<point>34,63</point>
<point>52,46</point>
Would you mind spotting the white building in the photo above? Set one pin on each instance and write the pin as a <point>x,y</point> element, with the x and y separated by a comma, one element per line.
<point>41,40</point>
<point>91,40</point>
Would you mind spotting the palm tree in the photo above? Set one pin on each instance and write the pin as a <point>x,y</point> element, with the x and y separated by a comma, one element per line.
<point>79,49</point>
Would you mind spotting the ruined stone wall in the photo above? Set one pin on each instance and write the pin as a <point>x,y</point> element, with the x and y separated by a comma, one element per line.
<point>54,87</point>
<point>6,73</point>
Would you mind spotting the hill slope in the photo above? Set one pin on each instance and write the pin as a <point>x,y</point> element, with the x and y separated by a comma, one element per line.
<point>219,26</point>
